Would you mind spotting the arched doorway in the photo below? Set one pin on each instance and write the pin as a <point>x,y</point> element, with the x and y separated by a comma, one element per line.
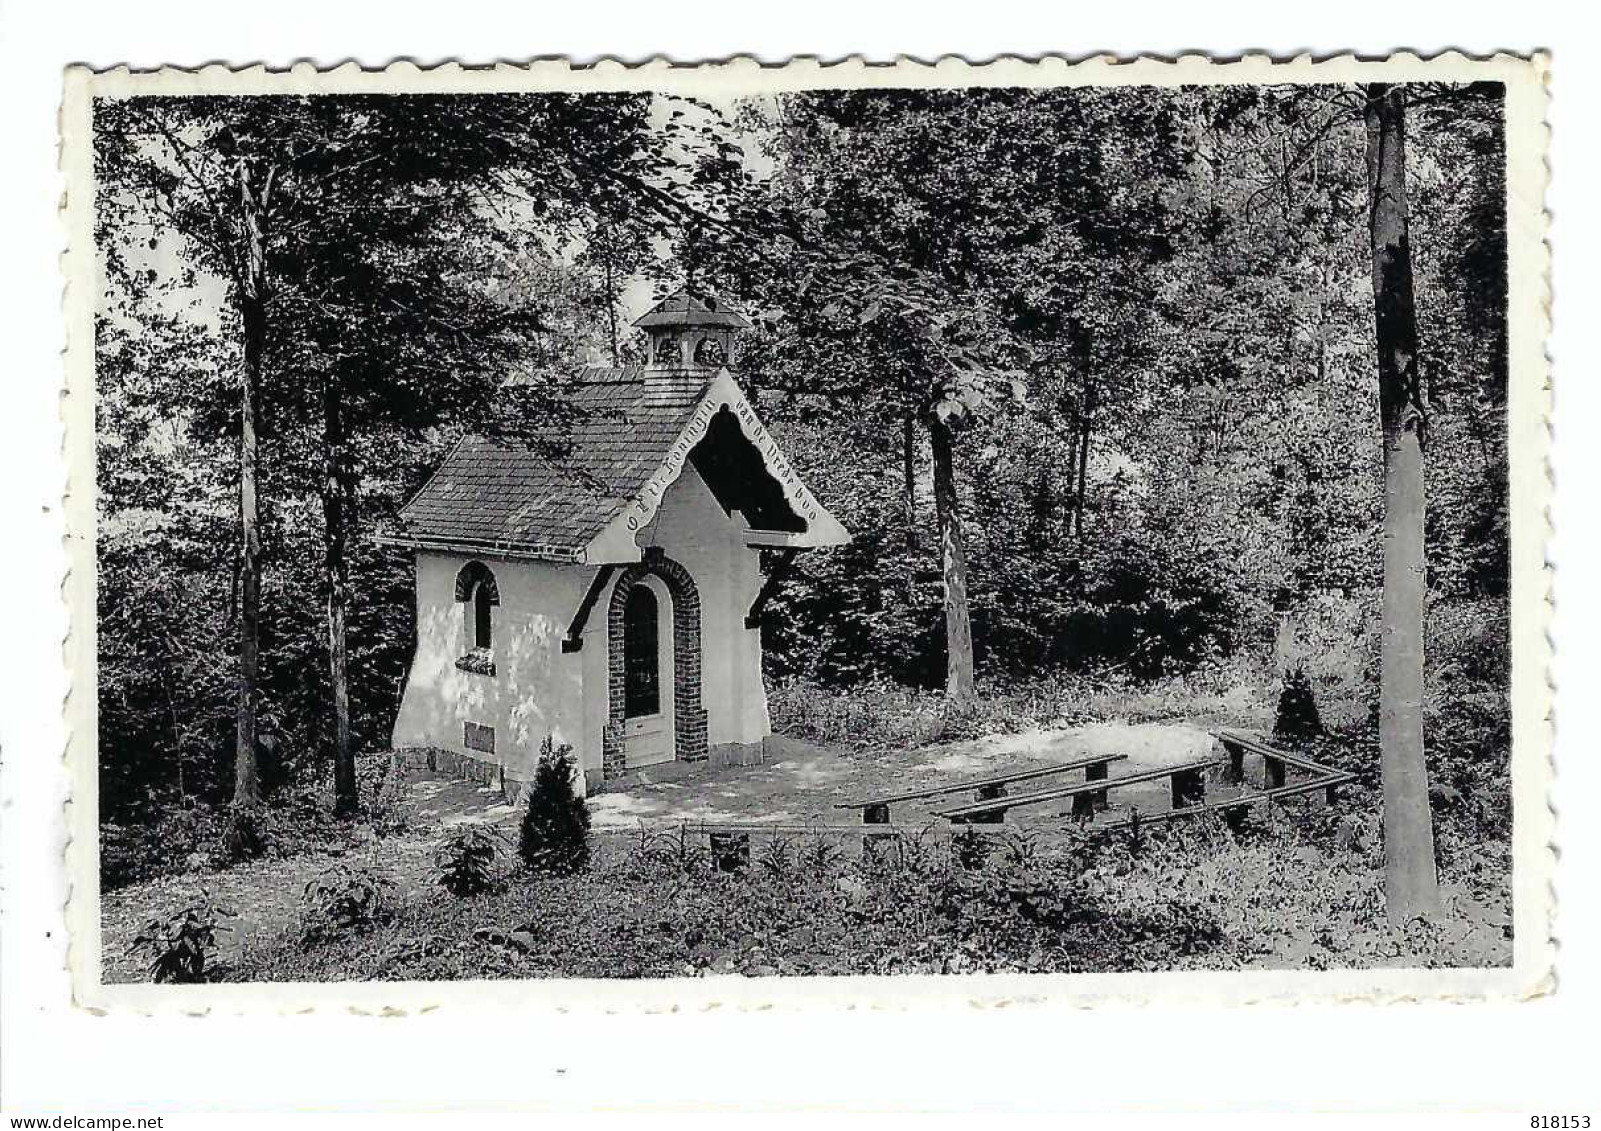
<point>648,674</point>
<point>665,677</point>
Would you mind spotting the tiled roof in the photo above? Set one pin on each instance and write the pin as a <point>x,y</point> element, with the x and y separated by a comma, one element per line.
<point>514,498</point>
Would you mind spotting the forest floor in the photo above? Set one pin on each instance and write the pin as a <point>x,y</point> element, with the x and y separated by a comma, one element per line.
<point>1298,887</point>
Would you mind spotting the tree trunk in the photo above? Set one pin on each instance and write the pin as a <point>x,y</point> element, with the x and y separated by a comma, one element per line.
<point>611,308</point>
<point>1411,885</point>
<point>909,477</point>
<point>1086,424</point>
<point>1323,324</point>
<point>1083,350</point>
<point>335,538</point>
<point>253,324</point>
<point>953,561</point>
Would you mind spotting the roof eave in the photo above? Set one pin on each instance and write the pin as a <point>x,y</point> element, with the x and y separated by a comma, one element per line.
<point>527,551</point>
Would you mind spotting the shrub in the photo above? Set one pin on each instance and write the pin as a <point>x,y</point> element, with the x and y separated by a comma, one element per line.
<point>778,857</point>
<point>673,850</point>
<point>555,829</point>
<point>970,847</point>
<point>465,861</point>
<point>165,845</point>
<point>245,837</point>
<point>181,945</point>
<point>1297,717</point>
<point>344,900</point>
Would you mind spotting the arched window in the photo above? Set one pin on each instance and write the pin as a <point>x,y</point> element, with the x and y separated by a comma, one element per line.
<point>641,662</point>
<point>709,352</point>
<point>669,349</point>
<point>482,637</point>
<point>476,589</point>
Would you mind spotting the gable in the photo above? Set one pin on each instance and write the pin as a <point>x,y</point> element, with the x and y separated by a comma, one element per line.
<point>816,527</point>
<point>621,452</point>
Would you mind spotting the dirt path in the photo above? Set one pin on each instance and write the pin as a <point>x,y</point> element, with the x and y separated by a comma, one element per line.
<point>802,782</point>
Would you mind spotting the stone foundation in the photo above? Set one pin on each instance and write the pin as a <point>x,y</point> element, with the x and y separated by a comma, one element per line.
<point>739,753</point>
<point>726,755</point>
<point>462,766</point>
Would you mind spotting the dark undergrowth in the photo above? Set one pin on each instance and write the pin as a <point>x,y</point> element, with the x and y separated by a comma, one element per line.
<point>189,836</point>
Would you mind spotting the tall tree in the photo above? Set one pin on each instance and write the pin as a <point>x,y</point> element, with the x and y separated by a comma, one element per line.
<point>919,288</point>
<point>342,232</point>
<point>1411,885</point>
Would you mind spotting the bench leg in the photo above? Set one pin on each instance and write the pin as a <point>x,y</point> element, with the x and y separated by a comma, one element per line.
<point>1331,794</point>
<point>1234,817</point>
<point>730,852</point>
<point>1189,788</point>
<point>1084,806</point>
<point>990,793</point>
<point>878,845</point>
<point>1236,771</point>
<point>1273,769</point>
<point>1098,799</point>
<point>875,815</point>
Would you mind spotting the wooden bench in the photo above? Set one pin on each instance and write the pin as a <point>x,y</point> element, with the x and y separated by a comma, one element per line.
<point>1274,762</point>
<point>1229,808</point>
<point>1188,778</point>
<point>875,810</point>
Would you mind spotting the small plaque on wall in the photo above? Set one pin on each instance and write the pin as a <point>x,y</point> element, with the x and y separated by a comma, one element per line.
<point>479,737</point>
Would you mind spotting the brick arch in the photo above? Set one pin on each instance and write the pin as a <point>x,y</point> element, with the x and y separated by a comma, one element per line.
<point>689,717</point>
<point>472,575</point>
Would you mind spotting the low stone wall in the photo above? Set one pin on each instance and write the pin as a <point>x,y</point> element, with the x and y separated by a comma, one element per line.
<point>739,753</point>
<point>449,762</point>
<point>435,760</point>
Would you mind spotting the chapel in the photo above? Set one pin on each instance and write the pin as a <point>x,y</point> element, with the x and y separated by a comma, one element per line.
<point>606,590</point>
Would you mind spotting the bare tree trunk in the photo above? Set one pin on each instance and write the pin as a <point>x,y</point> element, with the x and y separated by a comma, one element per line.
<point>253,321</point>
<point>1070,464</point>
<point>1083,351</point>
<point>953,561</point>
<point>172,712</point>
<point>909,477</point>
<point>611,308</point>
<point>335,539</point>
<point>1411,885</point>
<point>1323,325</point>
<point>1086,424</point>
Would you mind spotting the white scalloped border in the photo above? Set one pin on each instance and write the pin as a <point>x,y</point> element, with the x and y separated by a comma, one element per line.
<point>1534,850</point>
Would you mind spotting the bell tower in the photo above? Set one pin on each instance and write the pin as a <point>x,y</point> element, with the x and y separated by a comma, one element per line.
<point>691,339</point>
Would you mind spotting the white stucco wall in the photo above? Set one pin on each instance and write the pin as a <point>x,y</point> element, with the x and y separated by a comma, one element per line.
<point>537,689</point>
<point>691,528</point>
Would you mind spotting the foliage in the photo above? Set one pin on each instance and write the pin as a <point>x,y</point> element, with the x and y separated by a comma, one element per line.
<point>245,835</point>
<point>193,836</point>
<point>181,946</point>
<point>344,899</point>
<point>1297,718</point>
<point>465,861</point>
<point>1286,891</point>
<point>554,837</point>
